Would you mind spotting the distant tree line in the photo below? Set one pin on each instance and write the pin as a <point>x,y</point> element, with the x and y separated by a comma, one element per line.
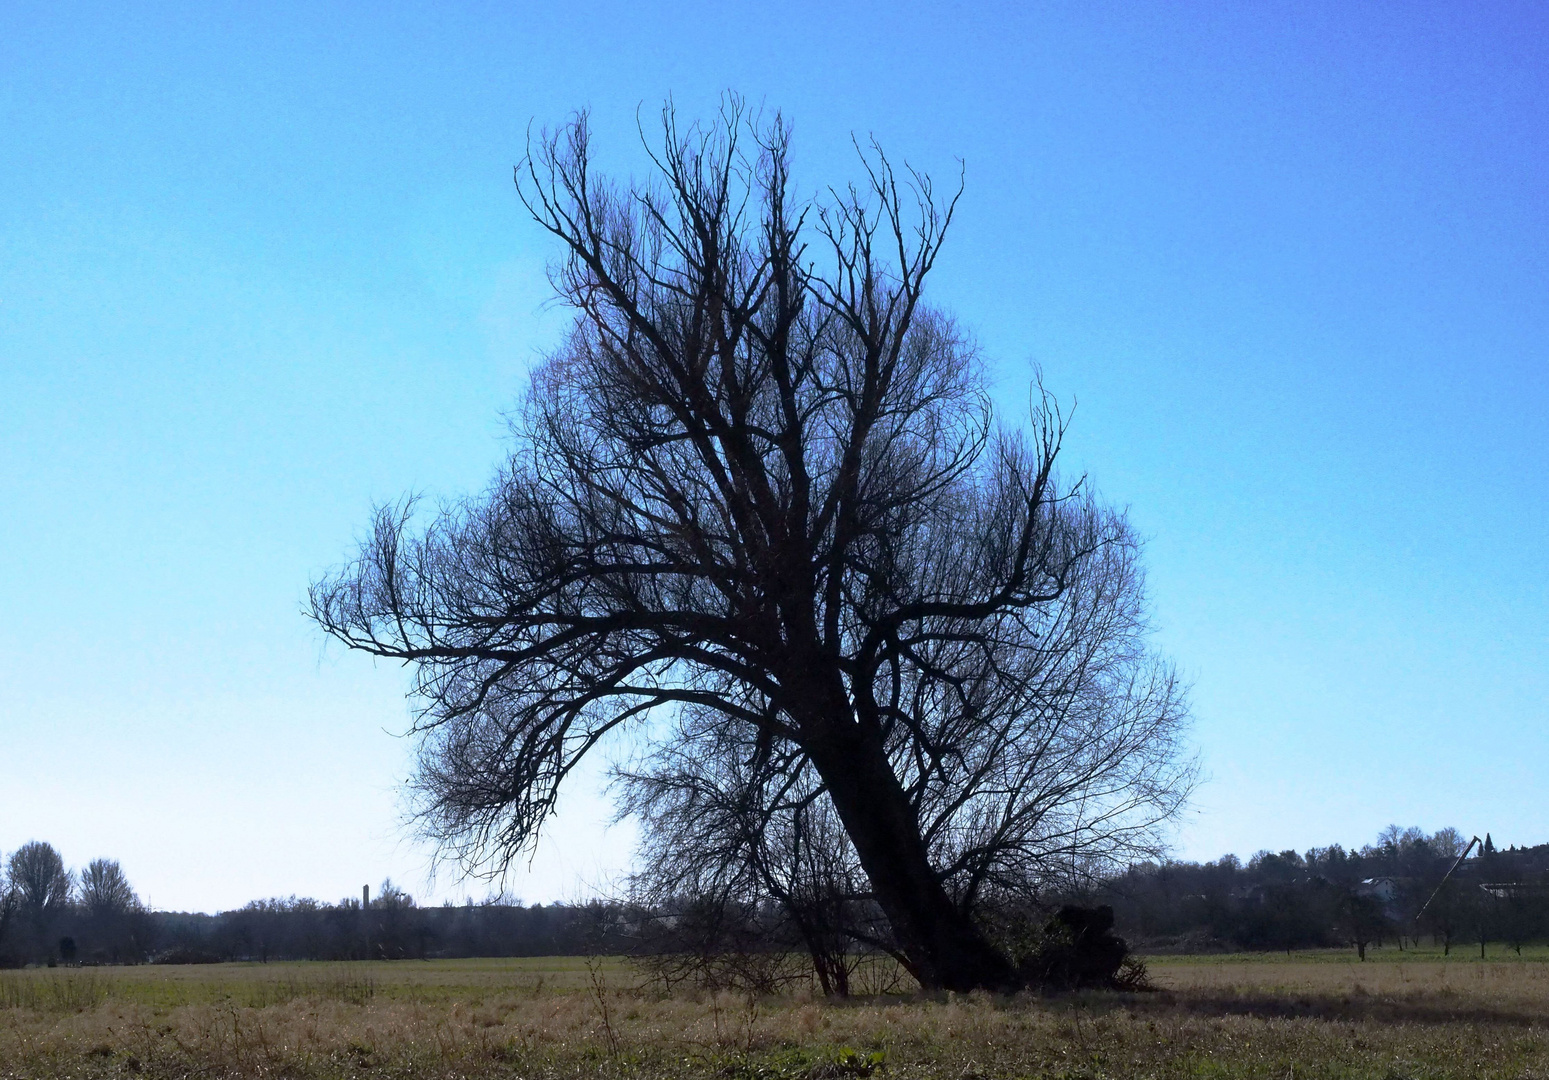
<point>1387,893</point>
<point>1327,897</point>
<point>391,927</point>
<point>50,915</point>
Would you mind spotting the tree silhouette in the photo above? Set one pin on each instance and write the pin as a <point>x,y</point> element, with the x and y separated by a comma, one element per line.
<point>758,504</point>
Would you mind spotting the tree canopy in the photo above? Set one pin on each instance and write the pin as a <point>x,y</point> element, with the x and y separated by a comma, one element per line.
<point>759,517</point>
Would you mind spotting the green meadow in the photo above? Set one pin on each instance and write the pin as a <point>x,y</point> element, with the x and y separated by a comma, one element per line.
<point>1399,1015</point>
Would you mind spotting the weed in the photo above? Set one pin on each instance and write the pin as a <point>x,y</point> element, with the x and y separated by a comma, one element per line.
<point>599,987</point>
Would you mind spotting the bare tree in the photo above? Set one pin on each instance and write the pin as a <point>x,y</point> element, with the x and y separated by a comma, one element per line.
<point>117,925</point>
<point>104,891</point>
<point>391,918</point>
<point>761,481</point>
<point>1448,843</point>
<point>39,877</point>
<point>42,887</point>
<point>8,904</point>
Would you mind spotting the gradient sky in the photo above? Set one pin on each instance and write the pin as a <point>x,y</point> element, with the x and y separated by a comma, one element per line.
<point>262,268</point>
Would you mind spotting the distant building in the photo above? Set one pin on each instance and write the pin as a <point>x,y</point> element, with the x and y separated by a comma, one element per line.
<point>1515,890</point>
<point>1382,889</point>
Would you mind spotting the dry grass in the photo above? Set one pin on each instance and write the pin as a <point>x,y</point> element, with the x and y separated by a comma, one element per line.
<point>1308,1017</point>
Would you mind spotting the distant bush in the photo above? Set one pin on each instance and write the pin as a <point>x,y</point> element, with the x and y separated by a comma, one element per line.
<point>186,956</point>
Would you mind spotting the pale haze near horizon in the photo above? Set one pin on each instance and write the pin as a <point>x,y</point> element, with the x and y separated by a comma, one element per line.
<point>259,271</point>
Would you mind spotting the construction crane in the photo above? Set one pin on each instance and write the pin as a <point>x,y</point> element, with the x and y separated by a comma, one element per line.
<point>1447,875</point>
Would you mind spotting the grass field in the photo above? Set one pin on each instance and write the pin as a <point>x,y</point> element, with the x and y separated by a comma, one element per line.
<point>1412,1014</point>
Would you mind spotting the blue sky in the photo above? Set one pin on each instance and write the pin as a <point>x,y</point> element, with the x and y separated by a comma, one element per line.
<point>262,268</point>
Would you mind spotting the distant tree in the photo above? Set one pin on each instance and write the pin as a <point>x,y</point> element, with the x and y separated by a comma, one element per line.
<point>38,875</point>
<point>1334,863</point>
<point>104,891</point>
<point>761,481</point>
<point>1448,843</point>
<point>395,931</point>
<point>1396,837</point>
<point>43,888</point>
<point>1522,913</point>
<point>1360,920</point>
<point>8,906</point>
<point>1282,869</point>
<point>1454,911</point>
<point>113,921</point>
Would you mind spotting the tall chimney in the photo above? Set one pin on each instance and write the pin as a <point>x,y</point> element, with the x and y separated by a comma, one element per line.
<point>365,897</point>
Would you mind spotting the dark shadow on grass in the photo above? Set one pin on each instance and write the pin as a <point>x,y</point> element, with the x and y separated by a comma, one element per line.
<point>1420,1007</point>
<point>1417,1009</point>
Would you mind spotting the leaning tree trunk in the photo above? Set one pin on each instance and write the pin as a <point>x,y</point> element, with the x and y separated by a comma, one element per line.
<point>944,947</point>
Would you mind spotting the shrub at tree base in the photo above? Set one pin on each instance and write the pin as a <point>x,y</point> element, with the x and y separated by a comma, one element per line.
<point>1077,949</point>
